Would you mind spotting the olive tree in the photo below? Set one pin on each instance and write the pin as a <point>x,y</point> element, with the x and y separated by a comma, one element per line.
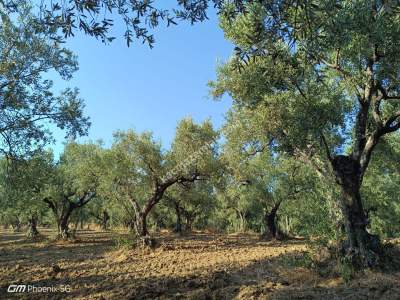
<point>76,180</point>
<point>29,181</point>
<point>192,203</point>
<point>326,76</point>
<point>141,171</point>
<point>24,183</point>
<point>27,101</point>
<point>259,184</point>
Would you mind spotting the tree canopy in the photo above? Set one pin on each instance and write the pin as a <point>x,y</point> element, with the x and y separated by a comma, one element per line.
<point>310,145</point>
<point>27,102</point>
<point>326,76</point>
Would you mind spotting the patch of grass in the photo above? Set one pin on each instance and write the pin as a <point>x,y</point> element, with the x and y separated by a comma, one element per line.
<point>301,259</point>
<point>125,242</point>
<point>346,269</point>
<point>390,257</point>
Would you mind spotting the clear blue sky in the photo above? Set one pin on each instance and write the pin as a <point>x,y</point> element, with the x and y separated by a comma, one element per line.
<point>149,89</point>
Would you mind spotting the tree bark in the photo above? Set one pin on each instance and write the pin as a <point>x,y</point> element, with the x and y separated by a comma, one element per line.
<point>157,194</point>
<point>63,222</point>
<point>130,224</point>
<point>242,218</point>
<point>32,227</point>
<point>287,225</point>
<point>178,226</point>
<point>16,226</point>
<point>141,229</point>
<point>141,225</point>
<point>105,219</point>
<point>63,213</point>
<point>189,222</point>
<point>270,221</point>
<point>361,248</point>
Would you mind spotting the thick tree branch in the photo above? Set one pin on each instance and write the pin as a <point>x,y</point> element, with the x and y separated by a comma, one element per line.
<point>50,204</point>
<point>385,93</point>
<point>86,198</point>
<point>376,111</point>
<point>389,126</point>
<point>327,150</point>
<point>360,130</point>
<point>373,139</point>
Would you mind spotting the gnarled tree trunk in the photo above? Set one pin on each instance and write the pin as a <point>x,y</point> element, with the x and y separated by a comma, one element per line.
<point>104,221</point>
<point>142,213</point>
<point>361,247</point>
<point>141,230</point>
<point>270,222</point>
<point>189,221</point>
<point>157,194</point>
<point>63,212</point>
<point>63,224</point>
<point>16,226</point>
<point>141,224</point>
<point>242,218</point>
<point>178,226</point>
<point>130,224</point>
<point>32,227</point>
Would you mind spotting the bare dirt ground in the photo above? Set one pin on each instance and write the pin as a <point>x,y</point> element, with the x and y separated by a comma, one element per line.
<point>197,266</point>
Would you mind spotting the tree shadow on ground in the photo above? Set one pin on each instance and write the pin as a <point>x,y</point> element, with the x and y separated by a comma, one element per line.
<point>199,241</point>
<point>284,276</point>
<point>29,252</point>
<point>267,279</point>
<point>27,262</point>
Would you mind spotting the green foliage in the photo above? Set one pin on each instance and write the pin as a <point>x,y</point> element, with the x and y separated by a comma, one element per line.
<point>138,171</point>
<point>382,183</point>
<point>97,18</point>
<point>315,214</point>
<point>257,178</point>
<point>323,96</point>
<point>306,76</point>
<point>125,242</point>
<point>346,269</point>
<point>27,102</point>
<point>303,93</point>
<point>134,160</point>
<point>81,167</point>
<point>297,260</point>
<point>23,187</point>
<point>195,202</point>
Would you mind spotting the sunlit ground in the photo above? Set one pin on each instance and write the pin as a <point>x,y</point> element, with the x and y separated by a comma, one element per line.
<point>196,266</point>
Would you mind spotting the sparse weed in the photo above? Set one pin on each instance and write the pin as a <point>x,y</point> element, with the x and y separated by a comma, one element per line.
<point>125,242</point>
<point>302,259</point>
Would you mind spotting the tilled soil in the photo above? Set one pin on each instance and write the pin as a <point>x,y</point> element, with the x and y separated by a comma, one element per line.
<point>196,266</point>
